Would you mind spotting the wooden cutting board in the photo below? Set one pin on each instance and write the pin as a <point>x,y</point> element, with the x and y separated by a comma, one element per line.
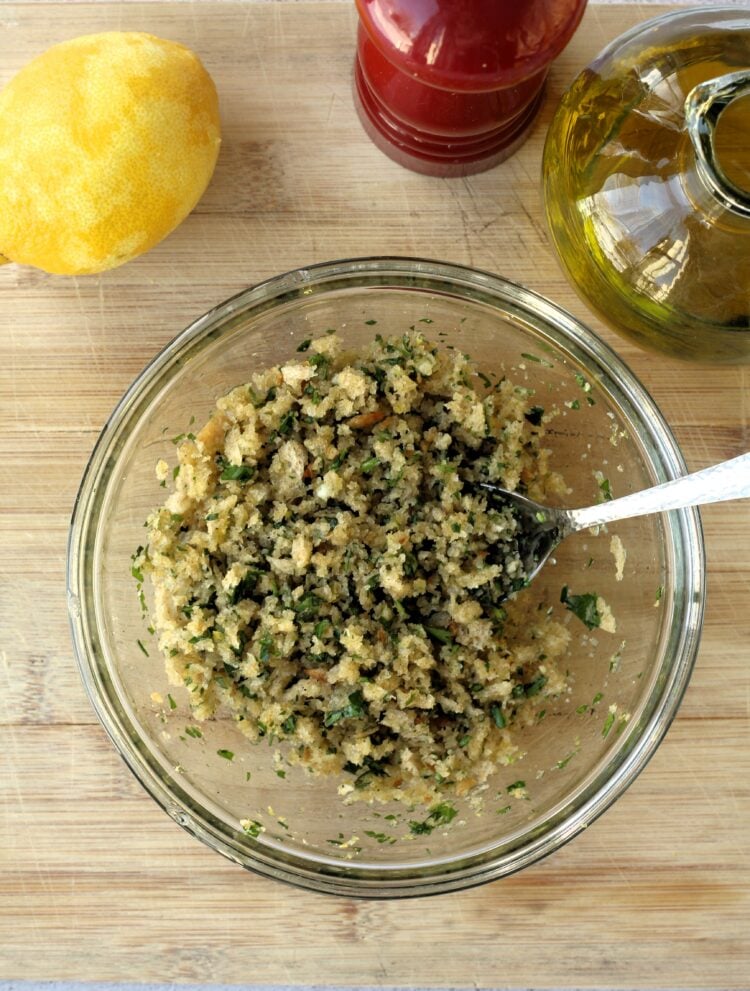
<point>95,882</point>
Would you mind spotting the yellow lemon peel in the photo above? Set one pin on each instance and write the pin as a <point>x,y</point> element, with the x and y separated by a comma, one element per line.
<point>107,142</point>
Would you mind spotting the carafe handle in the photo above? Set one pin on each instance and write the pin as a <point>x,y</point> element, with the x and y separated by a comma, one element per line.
<point>703,107</point>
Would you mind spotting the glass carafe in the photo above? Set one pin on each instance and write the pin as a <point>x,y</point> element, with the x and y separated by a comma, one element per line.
<point>647,184</point>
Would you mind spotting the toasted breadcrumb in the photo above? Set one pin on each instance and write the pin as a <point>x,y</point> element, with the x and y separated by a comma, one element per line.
<point>329,573</point>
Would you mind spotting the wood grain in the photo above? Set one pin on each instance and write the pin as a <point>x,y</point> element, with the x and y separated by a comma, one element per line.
<point>95,883</point>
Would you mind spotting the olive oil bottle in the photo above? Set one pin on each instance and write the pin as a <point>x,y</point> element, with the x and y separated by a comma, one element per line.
<point>647,184</point>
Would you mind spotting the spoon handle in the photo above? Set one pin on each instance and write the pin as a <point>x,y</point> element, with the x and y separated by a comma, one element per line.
<point>728,480</point>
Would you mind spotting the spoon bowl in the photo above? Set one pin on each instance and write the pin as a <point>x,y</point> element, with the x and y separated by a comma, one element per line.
<point>542,528</point>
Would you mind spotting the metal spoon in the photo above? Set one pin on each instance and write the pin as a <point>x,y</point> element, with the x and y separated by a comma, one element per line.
<point>542,528</point>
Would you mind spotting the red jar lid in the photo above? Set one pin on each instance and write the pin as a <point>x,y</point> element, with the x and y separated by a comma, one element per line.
<point>470,45</point>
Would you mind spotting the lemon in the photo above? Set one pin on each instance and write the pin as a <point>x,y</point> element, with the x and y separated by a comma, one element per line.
<point>107,142</point>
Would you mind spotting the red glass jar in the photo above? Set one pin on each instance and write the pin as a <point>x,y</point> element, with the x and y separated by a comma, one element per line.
<point>451,87</point>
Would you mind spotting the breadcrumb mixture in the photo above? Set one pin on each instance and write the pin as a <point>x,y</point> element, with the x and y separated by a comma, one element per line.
<point>329,574</point>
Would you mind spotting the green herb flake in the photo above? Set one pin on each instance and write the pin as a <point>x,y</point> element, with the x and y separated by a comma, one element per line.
<point>172,703</point>
<point>535,686</point>
<point>517,788</point>
<point>281,774</point>
<point>608,723</point>
<point>245,586</point>
<point>354,710</point>
<point>535,358</point>
<point>320,628</point>
<point>583,606</point>
<point>370,323</point>
<point>194,732</point>
<point>252,827</point>
<point>226,754</point>
<point>339,460</point>
<point>175,472</point>
<point>305,345</point>
<point>583,383</point>
<point>143,649</point>
<point>369,465</point>
<point>439,634</point>
<point>321,363</point>
<point>380,837</point>
<point>286,423</point>
<point>573,404</point>
<point>497,716</point>
<point>236,473</point>
<point>308,606</point>
<point>605,489</point>
<point>439,815</point>
<point>265,648</point>
<point>566,760</point>
<point>659,595</point>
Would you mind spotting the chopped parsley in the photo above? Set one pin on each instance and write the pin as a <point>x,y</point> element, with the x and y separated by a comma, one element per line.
<point>583,606</point>
<point>497,716</point>
<point>439,634</point>
<point>440,815</point>
<point>252,827</point>
<point>380,837</point>
<point>566,760</point>
<point>235,473</point>
<point>245,586</point>
<point>538,360</point>
<point>339,459</point>
<point>605,489</point>
<point>354,710</point>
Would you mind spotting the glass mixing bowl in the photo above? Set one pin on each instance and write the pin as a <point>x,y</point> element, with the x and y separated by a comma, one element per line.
<point>624,687</point>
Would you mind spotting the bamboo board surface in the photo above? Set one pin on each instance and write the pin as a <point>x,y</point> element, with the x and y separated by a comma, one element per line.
<point>95,882</point>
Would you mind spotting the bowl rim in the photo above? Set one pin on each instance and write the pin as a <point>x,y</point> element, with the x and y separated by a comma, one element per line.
<point>682,526</point>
